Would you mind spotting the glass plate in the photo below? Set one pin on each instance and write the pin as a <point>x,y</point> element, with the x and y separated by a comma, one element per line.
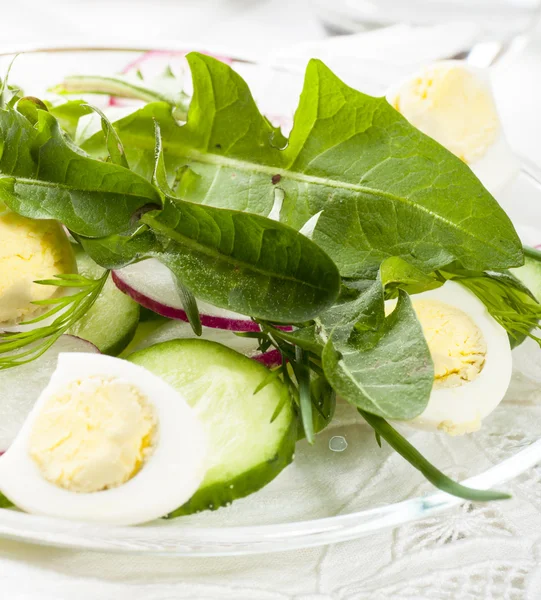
<point>345,486</point>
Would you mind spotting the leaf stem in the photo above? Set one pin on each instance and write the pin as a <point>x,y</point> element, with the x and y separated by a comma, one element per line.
<point>533,253</point>
<point>305,399</point>
<point>417,460</point>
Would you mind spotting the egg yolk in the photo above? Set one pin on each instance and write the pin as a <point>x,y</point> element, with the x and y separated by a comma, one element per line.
<point>29,250</point>
<point>457,346</point>
<point>452,105</point>
<point>93,434</point>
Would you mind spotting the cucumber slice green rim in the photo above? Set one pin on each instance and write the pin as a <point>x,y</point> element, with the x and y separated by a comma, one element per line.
<point>247,449</point>
<point>112,321</point>
<point>530,275</point>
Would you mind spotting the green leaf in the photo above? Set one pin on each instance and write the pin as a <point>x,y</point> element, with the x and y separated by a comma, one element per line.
<point>8,93</point>
<point>302,374</point>
<point>323,401</point>
<point>397,273</point>
<point>385,188</point>
<point>17,138</point>
<point>189,305</point>
<point>44,177</point>
<point>29,106</point>
<point>394,191</point>
<point>391,374</point>
<point>118,250</point>
<point>164,88</point>
<point>361,307</point>
<point>304,337</point>
<point>69,113</point>
<point>5,502</point>
<point>137,132</point>
<point>243,262</point>
<point>415,458</point>
<point>115,148</point>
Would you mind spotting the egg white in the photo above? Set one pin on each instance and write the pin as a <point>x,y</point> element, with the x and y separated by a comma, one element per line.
<point>499,165</point>
<point>463,408</point>
<point>169,477</point>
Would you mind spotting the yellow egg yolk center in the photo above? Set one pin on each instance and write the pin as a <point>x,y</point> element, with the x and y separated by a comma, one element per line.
<point>457,346</point>
<point>453,106</point>
<point>30,250</point>
<point>93,434</point>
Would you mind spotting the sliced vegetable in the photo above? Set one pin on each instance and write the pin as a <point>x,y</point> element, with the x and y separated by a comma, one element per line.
<point>530,275</point>
<point>21,386</point>
<point>246,447</point>
<point>178,330</point>
<point>145,328</point>
<point>152,285</point>
<point>111,322</point>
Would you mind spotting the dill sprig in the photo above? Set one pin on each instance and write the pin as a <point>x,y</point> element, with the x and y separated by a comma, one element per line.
<point>510,305</point>
<point>18,348</point>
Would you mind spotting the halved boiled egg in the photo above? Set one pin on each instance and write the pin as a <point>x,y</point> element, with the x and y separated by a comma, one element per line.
<point>30,250</point>
<point>453,103</point>
<point>471,355</point>
<point>106,441</point>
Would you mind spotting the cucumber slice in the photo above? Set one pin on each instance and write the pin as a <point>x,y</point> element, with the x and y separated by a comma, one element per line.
<point>180,330</point>
<point>144,331</point>
<point>111,322</point>
<point>246,448</point>
<point>530,275</point>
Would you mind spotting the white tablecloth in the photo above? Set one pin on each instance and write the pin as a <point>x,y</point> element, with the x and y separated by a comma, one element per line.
<point>488,552</point>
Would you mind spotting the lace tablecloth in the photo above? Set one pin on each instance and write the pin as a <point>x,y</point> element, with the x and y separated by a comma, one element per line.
<point>489,552</point>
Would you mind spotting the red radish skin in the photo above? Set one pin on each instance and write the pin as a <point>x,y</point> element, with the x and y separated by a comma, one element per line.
<point>269,359</point>
<point>176,313</point>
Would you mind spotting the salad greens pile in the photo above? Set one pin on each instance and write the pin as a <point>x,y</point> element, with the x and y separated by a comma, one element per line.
<point>363,207</point>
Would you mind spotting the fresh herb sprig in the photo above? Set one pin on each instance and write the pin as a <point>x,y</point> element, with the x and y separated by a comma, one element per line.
<point>18,348</point>
<point>509,302</point>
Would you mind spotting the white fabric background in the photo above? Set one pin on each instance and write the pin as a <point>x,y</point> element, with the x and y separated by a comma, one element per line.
<point>475,553</point>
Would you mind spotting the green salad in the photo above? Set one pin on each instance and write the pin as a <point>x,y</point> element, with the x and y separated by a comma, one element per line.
<point>259,277</point>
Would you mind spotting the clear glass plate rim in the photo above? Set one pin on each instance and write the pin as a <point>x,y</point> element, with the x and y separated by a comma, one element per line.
<point>195,541</point>
<point>242,540</point>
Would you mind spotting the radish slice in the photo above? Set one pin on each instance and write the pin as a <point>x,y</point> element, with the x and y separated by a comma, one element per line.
<point>152,285</point>
<point>175,330</point>
<point>21,386</point>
